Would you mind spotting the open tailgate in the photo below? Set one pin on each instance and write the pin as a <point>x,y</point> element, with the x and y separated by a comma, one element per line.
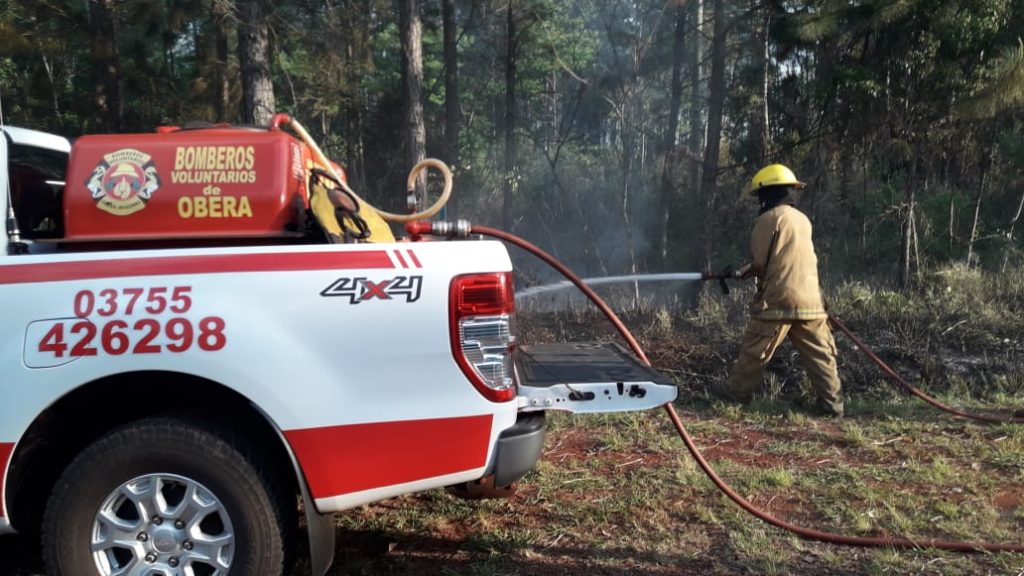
<point>587,377</point>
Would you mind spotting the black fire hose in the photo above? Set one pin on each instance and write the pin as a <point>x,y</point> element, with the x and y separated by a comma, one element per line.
<point>417,229</point>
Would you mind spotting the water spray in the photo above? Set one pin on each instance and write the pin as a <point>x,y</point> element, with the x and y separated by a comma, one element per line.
<point>833,319</point>
<point>666,277</point>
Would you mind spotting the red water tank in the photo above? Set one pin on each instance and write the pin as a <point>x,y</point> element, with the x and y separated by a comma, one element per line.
<point>219,182</point>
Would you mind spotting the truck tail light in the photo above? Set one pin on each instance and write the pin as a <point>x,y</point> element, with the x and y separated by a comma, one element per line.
<point>481,308</point>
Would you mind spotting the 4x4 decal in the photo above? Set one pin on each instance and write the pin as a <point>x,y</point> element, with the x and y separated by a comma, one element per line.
<point>363,289</point>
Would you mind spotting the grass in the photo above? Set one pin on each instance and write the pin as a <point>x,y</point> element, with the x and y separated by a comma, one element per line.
<point>618,494</point>
<point>628,505</point>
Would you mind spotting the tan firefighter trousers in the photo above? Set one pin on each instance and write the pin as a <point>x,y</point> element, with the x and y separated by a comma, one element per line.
<point>812,338</point>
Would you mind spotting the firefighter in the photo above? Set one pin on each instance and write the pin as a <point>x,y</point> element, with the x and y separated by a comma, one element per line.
<point>788,299</point>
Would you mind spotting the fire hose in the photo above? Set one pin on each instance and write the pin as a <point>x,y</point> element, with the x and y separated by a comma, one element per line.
<point>285,120</point>
<point>893,375</point>
<point>463,229</point>
<point>886,368</point>
<point>728,274</point>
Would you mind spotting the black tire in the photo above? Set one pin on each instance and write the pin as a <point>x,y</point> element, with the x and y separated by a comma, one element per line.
<point>255,502</point>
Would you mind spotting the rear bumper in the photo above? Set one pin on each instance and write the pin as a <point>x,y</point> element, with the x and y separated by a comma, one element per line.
<point>519,448</point>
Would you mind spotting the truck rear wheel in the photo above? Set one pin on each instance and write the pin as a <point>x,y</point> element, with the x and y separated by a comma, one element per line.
<point>166,496</point>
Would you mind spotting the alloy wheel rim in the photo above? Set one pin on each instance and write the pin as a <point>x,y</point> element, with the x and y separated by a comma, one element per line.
<point>162,525</point>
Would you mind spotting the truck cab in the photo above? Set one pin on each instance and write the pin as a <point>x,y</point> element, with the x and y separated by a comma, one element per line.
<point>32,173</point>
<point>181,355</point>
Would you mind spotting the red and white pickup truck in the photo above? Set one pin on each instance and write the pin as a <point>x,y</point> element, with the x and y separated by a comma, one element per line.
<point>180,359</point>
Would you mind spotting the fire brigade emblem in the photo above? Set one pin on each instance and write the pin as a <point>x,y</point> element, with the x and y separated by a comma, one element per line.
<point>123,182</point>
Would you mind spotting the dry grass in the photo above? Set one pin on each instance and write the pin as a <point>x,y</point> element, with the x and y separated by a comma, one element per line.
<point>617,494</point>
<point>611,496</point>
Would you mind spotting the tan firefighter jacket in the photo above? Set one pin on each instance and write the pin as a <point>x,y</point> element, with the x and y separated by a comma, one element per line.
<point>786,267</point>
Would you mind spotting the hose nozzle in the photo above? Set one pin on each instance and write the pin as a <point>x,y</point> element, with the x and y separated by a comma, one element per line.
<point>726,273</point>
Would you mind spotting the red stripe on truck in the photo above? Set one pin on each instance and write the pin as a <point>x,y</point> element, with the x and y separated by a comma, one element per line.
<point>345,459</point>
<point>199,264</point>
<point>5,455</point>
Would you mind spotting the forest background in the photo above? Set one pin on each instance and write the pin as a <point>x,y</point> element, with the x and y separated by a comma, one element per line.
<point>619,134</point>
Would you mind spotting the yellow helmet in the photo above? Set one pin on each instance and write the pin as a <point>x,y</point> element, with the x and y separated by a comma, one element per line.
<point>773,175</point>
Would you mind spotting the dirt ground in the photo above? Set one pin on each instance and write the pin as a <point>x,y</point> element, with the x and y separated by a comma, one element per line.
<point>617,494</point>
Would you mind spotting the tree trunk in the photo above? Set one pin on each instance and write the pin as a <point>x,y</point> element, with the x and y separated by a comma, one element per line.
<point>983,180</point>
<point>508,199</point>
<point>696,125</point>
<point>695,142</point>
<point>355,162</point>
<point>452,105</point>
<point>716,103</point>
<point>169,40</point>
<point>106,65</point>
<point>916,244</point>
<point>906,254</point>
<point>761,140</point>
<point>628,137</point>
<point>668,189</point>
<point>412,71</point>
<point>952,220</point>
<point>258,104</point>
<point>355,55</point>
<point>221,83</point>
<point>1009,234</point>
<point>48,66</point>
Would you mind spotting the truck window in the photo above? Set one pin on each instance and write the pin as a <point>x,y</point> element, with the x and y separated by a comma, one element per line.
<point>37,183</point>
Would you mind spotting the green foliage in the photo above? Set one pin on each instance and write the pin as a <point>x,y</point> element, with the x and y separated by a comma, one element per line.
<point>1011,144</point>
<point>857,93</point>
<point>1001,85</point>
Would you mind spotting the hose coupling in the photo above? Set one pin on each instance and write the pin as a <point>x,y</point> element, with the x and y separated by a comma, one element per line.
<point>458,229</point>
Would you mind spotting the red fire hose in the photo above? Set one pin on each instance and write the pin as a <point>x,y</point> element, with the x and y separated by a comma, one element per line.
<point>885,368</point>
<point>462,229</point>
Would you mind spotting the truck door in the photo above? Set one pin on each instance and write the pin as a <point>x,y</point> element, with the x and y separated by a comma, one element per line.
<point>32,168</point>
